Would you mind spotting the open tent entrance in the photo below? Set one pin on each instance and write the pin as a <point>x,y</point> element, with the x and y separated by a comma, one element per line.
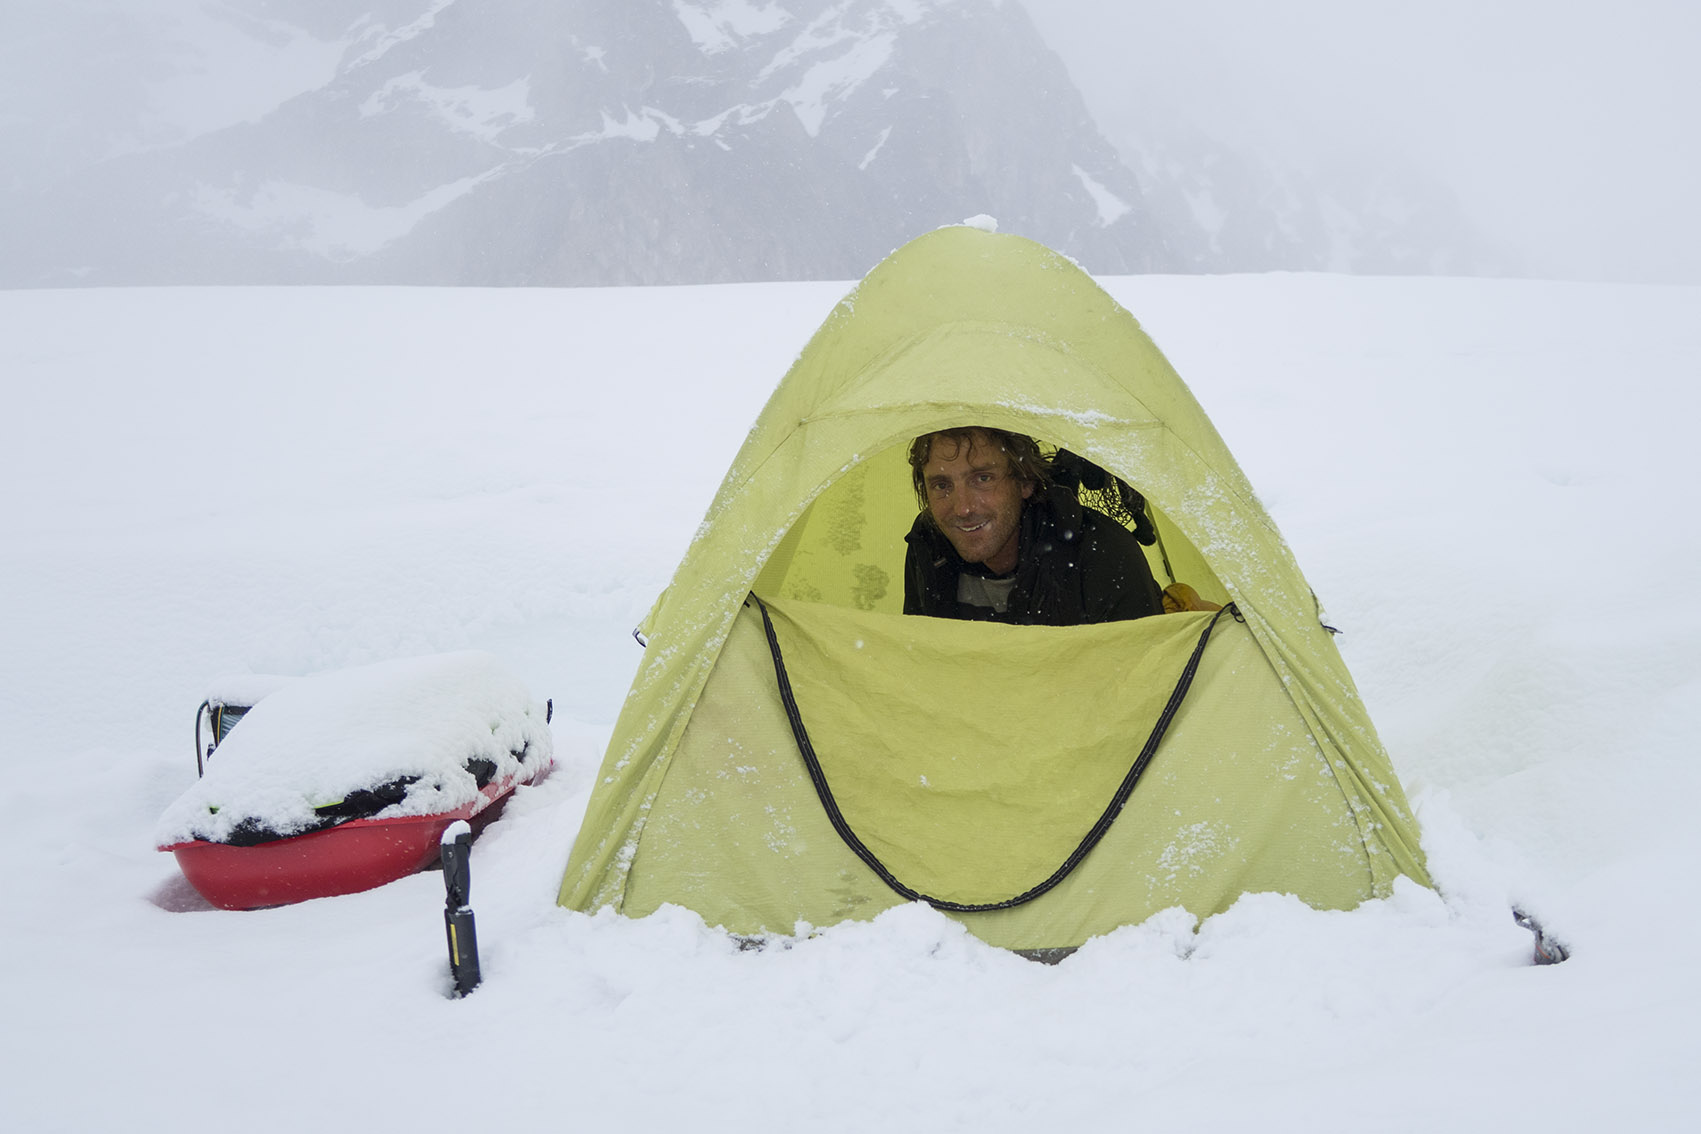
<point>847,549</point>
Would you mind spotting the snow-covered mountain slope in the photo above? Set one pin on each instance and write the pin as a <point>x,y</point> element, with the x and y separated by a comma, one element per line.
<point>1365,214</point>
<point>1488,484</point>
<point>535,141</point>
<point>514,142</point>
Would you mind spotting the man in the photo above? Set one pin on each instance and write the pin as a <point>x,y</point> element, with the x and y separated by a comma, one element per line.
<point>997,540</point>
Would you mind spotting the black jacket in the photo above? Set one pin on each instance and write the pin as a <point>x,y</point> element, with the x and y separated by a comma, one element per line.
<point>1074,565</point>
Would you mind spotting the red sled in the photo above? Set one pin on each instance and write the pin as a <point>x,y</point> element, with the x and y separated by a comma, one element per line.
<point>357,855</point>
<point>356,842</point>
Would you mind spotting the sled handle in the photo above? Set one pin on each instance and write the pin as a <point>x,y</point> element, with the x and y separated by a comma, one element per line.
<point>200,768</point>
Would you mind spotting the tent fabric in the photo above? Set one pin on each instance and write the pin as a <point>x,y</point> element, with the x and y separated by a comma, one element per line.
<point>964,327</point>
<point>970,814</point>
<point>1008,789</point>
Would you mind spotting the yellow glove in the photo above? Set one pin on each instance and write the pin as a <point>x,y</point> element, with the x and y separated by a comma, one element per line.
<point>1179,597</point>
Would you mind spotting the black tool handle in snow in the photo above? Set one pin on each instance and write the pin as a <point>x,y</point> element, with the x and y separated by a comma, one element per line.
<point>457,914</point>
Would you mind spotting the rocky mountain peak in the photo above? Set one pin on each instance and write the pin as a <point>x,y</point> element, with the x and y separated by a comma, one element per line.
<point>579,142</point>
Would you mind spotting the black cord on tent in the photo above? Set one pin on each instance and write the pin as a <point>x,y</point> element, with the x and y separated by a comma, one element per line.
<point>819,778</point>
<point>1163,553</point>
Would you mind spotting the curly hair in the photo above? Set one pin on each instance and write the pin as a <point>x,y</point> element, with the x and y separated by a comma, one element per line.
<point>1029,464</point>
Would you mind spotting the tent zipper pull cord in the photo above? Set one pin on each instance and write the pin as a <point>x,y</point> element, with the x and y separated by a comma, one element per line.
<point>819,778</point>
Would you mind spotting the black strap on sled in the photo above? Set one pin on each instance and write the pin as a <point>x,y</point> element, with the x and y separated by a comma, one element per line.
<point>1091,840</point>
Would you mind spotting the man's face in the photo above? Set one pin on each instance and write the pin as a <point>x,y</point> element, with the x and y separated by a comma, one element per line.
<point>976,499</point>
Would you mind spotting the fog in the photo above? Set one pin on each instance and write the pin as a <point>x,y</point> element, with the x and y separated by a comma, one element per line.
<point>1570,130</point>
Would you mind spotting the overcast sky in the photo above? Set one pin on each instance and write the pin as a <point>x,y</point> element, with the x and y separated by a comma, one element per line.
<point>1570,128</point>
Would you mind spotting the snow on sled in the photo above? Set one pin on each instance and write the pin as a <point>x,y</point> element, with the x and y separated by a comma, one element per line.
<point>343,781</point>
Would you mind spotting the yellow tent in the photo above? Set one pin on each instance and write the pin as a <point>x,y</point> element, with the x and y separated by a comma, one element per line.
<point>796,750</point>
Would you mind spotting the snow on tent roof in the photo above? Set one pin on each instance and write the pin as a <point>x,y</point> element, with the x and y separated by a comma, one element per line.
<point>316,739</point>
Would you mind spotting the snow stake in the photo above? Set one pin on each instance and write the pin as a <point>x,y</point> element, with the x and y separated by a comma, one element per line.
<point>1549,950</point>
<point>457,914</point>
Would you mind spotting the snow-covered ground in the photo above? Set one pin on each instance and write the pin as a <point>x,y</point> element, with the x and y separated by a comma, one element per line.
<point>1491,485</point>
